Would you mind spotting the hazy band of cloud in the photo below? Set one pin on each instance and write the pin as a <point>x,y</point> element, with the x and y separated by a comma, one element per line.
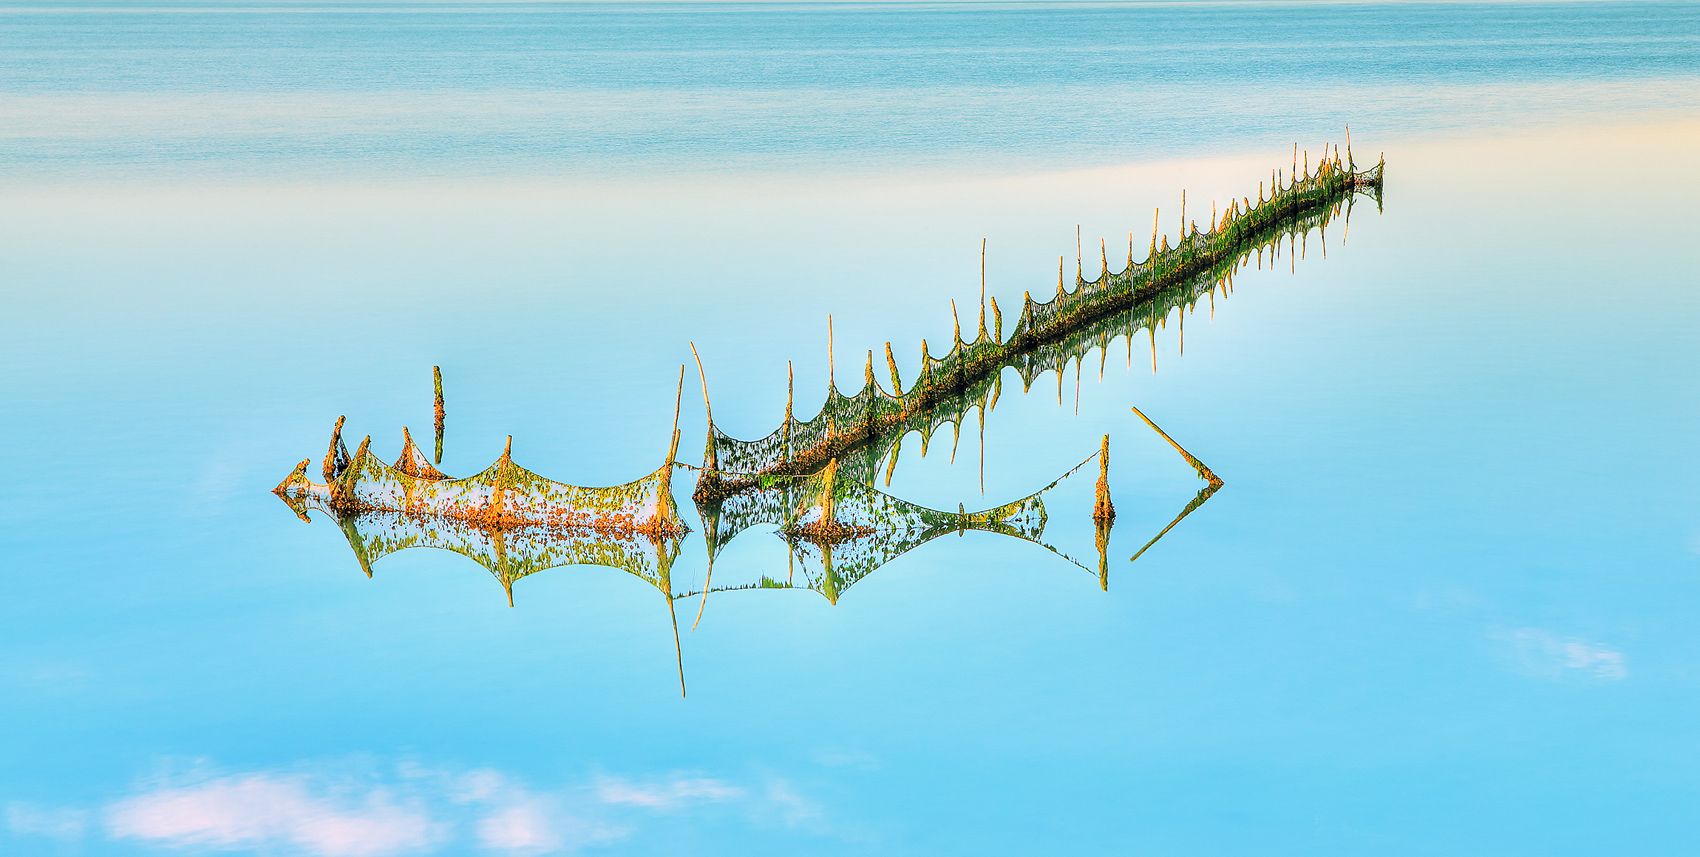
<point>570,133</point>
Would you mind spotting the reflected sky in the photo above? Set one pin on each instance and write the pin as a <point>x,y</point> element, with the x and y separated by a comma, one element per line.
<point>1443,604</point>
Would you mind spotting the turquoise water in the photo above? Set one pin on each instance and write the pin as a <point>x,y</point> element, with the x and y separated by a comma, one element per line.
<point>1442,604</point>
<point>455,90</point>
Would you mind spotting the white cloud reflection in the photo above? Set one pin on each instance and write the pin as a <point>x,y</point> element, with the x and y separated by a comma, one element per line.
<point>790,807</point>
<point>412,809</point>
<point>28,819</point>
<point>542,825</point>
<point>666,794</point>
<point>1544,653</point>
<point>252,811</point>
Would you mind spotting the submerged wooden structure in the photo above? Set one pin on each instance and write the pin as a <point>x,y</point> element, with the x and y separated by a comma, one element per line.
<point>866,428</point>
<point>816,481</point>
<point>508,519</point>
<point>511,520</point>
<point>839,530</point>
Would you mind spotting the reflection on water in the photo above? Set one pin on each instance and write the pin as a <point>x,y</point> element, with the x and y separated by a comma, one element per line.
<point>866,428</point>
<point>510,520</point>
<point>1430,612</point>
<point>816,481</point>
<point>841,529</point>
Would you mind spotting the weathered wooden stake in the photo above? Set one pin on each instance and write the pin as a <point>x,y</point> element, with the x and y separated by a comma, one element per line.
<point>437,381</point>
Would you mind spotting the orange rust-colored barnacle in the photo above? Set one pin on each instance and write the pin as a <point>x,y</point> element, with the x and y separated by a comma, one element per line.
<point>287,489</point>
<point>342,487</point>
<point>336,457</point>
<point>1102,508</point>
<point>295,476</point>
<point>412,462</point>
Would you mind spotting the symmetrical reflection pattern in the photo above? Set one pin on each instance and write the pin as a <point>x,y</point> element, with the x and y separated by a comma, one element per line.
<point>866,428</point>
<point>817,482</point>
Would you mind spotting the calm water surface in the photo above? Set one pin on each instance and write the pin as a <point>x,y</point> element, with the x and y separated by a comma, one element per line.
<point>1443,604</point>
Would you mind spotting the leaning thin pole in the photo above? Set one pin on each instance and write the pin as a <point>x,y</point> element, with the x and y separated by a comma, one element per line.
<point>1196,502</point>
<point>437,381</point>
<point>1203,472</point>
<point>678,651</point>
<point>1197,465</point>
<point>678,402</point>
<point>711,462</point>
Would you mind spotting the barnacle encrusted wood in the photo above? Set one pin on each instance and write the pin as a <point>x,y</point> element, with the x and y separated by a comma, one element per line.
<point>840,530</point>
<point>504,496</point>
<point>861,430</point>
<point>509,519</point>
<point>813,480</point>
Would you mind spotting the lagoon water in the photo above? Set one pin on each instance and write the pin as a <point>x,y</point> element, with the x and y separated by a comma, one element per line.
<point>1443,604</point>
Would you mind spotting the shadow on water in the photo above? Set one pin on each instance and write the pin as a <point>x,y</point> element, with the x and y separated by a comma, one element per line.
<point>817,482</point>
